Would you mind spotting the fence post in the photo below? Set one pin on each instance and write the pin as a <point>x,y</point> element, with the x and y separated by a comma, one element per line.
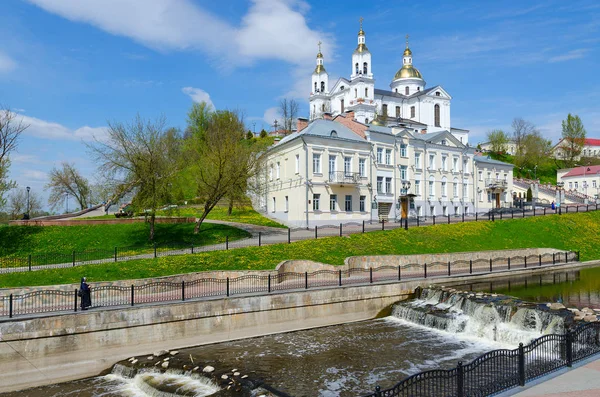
<point>226,242</point>
<point>74,300</point>
<point>192,248</point>
<point>569,349</point>
<point>578,256</point>
<point>523,212</point>
<point>305,280</point>
<point>471,266</point>
<point>460,387</point>
<point>259,239</point>
<point>425,269</point>
<point>587,208</point>
<point>340,230</point>
<point>448,218</point>
<point>227,286</point>
<point>73,258</point>
<point>500,215</point>
<point>154,244</point>
<point>521,365</point>
<point>448,268</point>
<point>553,259</point>
<point>567,209</point>
<point>540,259</point>
<point>417,221</point>
<point>399,273</point>
<point>490,265</point>
<point>340,278</point>
<point>383,224</point>
<point>476,216</point>
<point>269,284</point>
<point>115,254</point>
<point>29,261</point>
<point>406,223</point>
<point>132,295</point>
<point>509,263</point>
<point>182,290</point>
<point>544,211</point>
<point>463,216</point>
<point>377,391</point>
<point>525,261</point>
<point>534,210</point>
<point>566,257</point>
<point>289,236</point>
<point>371,275</point>
<point>577,208</point>
<point>10,304</point>
<point>363,226</point>
<point>512,214</point>
<point>316,235</point>
<point>434,220</point>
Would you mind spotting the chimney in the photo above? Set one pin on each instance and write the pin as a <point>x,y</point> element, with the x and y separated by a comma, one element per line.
<point>327,116</point>
<point>301,123</point>
<point>350,114</point>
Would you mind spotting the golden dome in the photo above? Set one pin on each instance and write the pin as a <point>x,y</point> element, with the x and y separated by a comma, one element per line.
<point>407,52</point>
<point>319,55</point>
<point>408,72</point>
<point>378,122</point>
<point>320,69</point>
<point>361,48</point>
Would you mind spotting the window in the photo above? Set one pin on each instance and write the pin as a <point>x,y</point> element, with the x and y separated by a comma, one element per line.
<point>570,185</point>
<point>455,210</point>
<point>406,90</point>
<point>466,210</point>
<point>333,134</point>
<point>444,187</point>
<point>316,202</point>
<point>489,197</point>
<point>444,143</point>
<point>436,115</point>
<point>366,92</point>
<point>316,163</point>
<point>497,176</point>
<point>361,203</point>
<point>297,163</point>
<point>418,187</point>
<point>455,164</point>
<point>323,107</point>
<point>333,202</point>
<point>271,172</point>
<point>576,185</point>
<point>355,93</point>
<point>287,204</point>
<point>384,111</point>
<point>432,161</point>
<point>412,112</point>
<point>445,163</point>
<point>417,160</point>
<point>388,156</point>
<point>315,86</point>
<point>419,210</point>
<point>480,175</point>
<point>273,204</point>
<point>341,106</point>
<point>465,166</point>
<point>465,189</point>
<point>445,210</point>
<point>403,172</point>
<point>277,173</point>
<point>379,155</point>
<point>366,121</point>
<point>431,186</point>
<point>403,150</point>
<point>388,185</point>
<point>594,184</point>
<point>348,203</point>
<point>356,68</point>
<point>489,175</point>
<point>379,184</point>
<point>361,168</point>
<point>418,88</point>
<point>481,195</point>
<point>432,210</point>
<point>437,93</point>
<point>455,188</point>
<point>347,165</point>
<point>331,164</point>
<point>322,86</point>
<point>397,112</point>
<point>342,89</point>
<point>365,68</point>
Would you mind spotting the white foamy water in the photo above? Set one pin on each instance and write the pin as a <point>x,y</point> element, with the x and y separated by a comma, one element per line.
<point>144,384</point>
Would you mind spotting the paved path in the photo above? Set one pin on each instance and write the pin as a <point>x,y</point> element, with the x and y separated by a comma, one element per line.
<point>583,381</point>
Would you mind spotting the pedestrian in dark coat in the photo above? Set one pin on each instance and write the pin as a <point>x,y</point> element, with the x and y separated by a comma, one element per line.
<point>85,293</point>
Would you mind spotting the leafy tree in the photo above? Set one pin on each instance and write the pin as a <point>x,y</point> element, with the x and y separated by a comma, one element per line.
<point>498,140</point>
<point>17,204</point>
<point>141,155</point>
<point>263,133</point>
<point>197,118</point>
<point>249,135</point>
<point>536,151</point>
<point>521,128</point>
<point>11,129</point>
<point>288,109</point>
<point>67,180</point>
<point>573,134</point>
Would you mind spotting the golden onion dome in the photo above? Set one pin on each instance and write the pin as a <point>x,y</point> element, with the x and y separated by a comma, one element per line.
<point>408,72</point>
<point>319,55</point>
<point>378,122</point>
<point>407,52</point>
<point>320,69</point>
<point>361,48</point>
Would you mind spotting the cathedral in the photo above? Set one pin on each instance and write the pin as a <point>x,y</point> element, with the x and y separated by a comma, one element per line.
<point>408,103</point>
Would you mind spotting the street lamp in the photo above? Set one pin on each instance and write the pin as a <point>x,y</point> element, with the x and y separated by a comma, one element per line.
<point>535,172</point>
<point>559,187</point>
<point>27,211</point>
<point>67,201</point>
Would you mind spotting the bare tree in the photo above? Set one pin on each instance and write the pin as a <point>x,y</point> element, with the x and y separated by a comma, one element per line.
<point>573,134</point>
<point>17,204</point>
<point>288,109</point>
<point>67,180</point>
<point>140,155</point>
<point>223,160</point>
<point>498,140</point>
<point>521,128</point>
<point>11,128</point>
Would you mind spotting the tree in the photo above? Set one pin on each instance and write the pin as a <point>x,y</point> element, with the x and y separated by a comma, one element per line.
<point>263,133</point>
<point>17,204</point>
<point>141,155</point>
<point>535,151</point>
<point>521,128</point>
<point>223,161</point>
<point>67,180</point>
<point>249,135</point>
<point>498,140</point>
<point>573,134</point>
<point>11,129</point>
<point>529,195</point>
<point>197,118</point>
<point>288,109</point>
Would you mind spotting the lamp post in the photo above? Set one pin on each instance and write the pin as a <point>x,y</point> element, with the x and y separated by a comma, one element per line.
<point>27,211</point>
<point>559,187</point>
<point>67,201</point>
<point>404,193</point>
<point>535,172</point>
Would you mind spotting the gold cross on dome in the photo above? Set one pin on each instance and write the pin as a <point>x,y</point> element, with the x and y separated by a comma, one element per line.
<point>319,44</point>
<point>407,41</point>
<point>361,21</point>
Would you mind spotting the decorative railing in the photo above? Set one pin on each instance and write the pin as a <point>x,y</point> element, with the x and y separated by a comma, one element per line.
<point>48,301</point>
<point>344,177</point>
<point>496,183</point>
<point>503,369</point>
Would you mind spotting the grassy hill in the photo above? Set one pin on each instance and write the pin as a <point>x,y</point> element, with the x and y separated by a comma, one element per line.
<point>568,232</point>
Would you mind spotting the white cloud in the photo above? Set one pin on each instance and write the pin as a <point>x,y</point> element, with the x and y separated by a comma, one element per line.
<point>7,64</point>
<point>198,95</point>
<point>34,175</point>
<point>573,54</point>
<point>272,114</point>
<point>50,130</point>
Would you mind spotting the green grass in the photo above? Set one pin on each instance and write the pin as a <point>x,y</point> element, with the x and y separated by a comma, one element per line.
<point>242,215</point>
<point>567,232</point>
<point>20,241</point>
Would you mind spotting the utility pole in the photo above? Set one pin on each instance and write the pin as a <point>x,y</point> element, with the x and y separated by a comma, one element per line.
<point>67,200</point>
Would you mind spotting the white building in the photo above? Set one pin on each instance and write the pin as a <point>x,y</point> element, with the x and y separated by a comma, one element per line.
<point>510,147</point>
<point>591,148</point>
<point>584,181</point>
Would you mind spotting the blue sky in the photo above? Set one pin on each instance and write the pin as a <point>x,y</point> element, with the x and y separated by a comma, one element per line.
<point>69,66</point>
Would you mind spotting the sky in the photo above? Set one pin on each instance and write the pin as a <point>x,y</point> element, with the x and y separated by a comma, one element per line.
<point>68,67</point>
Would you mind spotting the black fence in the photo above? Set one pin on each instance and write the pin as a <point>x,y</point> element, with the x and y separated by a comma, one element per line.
<point>500,370</point>
<point>116,254</point>
<point>48,301</point>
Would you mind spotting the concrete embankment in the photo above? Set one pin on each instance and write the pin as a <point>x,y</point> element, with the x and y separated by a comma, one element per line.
<point>44,350</point>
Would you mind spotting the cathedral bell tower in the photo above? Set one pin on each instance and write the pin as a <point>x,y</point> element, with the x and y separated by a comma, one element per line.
<point>361,57</point>
<point>320,77</point>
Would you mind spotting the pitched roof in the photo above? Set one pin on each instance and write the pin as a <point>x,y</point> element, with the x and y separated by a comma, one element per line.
<point>585,170</point>
<point>398,95</point>
<point>325,128</point>
<point>488,160</point>
<point>592,141</point>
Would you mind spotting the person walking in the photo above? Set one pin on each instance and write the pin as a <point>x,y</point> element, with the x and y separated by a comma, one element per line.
<point>85,293</point>
<point>553,206</point>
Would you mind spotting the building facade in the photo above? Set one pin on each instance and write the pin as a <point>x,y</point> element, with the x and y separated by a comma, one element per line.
<point>591,148</point>
<point>584,181</point>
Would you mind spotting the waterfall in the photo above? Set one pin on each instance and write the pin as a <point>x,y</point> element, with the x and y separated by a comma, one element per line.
<point>497,318</point>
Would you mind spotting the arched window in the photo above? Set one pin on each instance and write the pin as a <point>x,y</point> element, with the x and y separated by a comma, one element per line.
<point>341,106</point>
<point>342,88</point>
<point>444,187</point>
<point>384,110</point>
<point>396,90</point>
<point>356,67</point>
<point>406,90</point>
<point>365,68</point>
<point>322,86</point>
<point>436,115</point>
<point>431,186</point>
<point>397,112</point>
<point>366,92</point>
<point>355,93</point>
<point>323,107</point>
<point>366,121</point>
<point>412,112</point>
<point>315,86</point>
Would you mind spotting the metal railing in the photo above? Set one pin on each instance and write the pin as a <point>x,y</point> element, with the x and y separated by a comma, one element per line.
<point>344,177</point>
<point>496,183</point>
<point>503,369</point>
<point>48,301</point>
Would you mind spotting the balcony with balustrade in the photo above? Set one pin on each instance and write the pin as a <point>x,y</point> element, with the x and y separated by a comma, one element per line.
<point>341,178</point>
<point>496,184</point>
